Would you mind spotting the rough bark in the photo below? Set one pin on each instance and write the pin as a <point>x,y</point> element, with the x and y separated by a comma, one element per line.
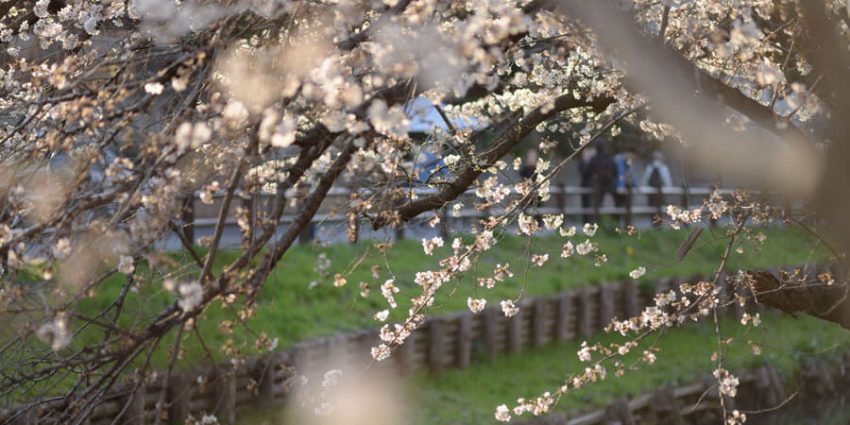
<point>826,302</point>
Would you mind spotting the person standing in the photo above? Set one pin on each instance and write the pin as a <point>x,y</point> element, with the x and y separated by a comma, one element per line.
<point>602,176</point>
<point>657,176</point>
<point>529,165</point>
<point>528,171</point>
<point>585,180</point>
<point>625,180</point>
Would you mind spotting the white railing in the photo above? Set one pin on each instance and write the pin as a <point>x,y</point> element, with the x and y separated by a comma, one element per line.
<point>631,207</point>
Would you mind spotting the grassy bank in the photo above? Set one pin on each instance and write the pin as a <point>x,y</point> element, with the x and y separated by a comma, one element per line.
<point>297,302</point>
<point>470,396</point>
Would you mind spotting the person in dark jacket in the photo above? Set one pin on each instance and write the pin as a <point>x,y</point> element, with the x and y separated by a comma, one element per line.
<point>529,165</point>
<point>585,180</point>
<point>601,173</point>
<point>528,171</point>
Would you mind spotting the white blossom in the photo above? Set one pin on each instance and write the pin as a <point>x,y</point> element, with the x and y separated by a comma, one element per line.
<point>62,249</point>
<point>476,305</point>
<point>503,414</point>
<point>154,88</point>
<point>638,272</point>
<point>539,259</point>
<point>585,247</point>
<point>191,295</point>
<point>428,245</point>
<point>381,352</point>
<point>387,290</point>
<point>584,354</point>
<point>553,221</point>
<point>728,383</point>
<point>509,308</point>
<point>567,250</point>
<point>55,332</point>
<point>567,232</point>
<point>451,160</point>
<point>390,121</point>
<point>381,316</point>
<point>126,264</point>
<point>736,418</point>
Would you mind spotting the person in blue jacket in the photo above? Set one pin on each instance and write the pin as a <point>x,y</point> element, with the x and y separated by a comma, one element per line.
<point>626,178</point>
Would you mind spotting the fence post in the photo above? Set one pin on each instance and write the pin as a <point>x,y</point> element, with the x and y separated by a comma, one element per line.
<point>180,390</point>
<point>538,322</point>
<point>585,317</point>
<point>264,374</point>
<point>659,201</point>
<point>817,380</point>
<point>225,395</point>
<point>665,407</point>
<point>561,198</point>
<point>631,299</point>
<point>769,386</point>
<point>730,402</point>
<point>464,339</point>
<point>629,197</point>
<point>336,347</point>
<point>437,347</point>
<point>135,414</point>
<point>298,358</point>
<point>563,315</point>
<point>515,330</point>
<point>606,305</point>
<point>407,354</point>
<point>490,336</point>
<point>662,285</point>
<point>552,419</point>
<point>619,412</point>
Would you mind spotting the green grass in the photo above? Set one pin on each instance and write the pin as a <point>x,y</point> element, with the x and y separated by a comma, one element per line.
<point>292,309</point>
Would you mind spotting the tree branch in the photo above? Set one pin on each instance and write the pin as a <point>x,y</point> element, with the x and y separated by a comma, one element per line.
<point>506,141</point>
<point>826,302</point>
